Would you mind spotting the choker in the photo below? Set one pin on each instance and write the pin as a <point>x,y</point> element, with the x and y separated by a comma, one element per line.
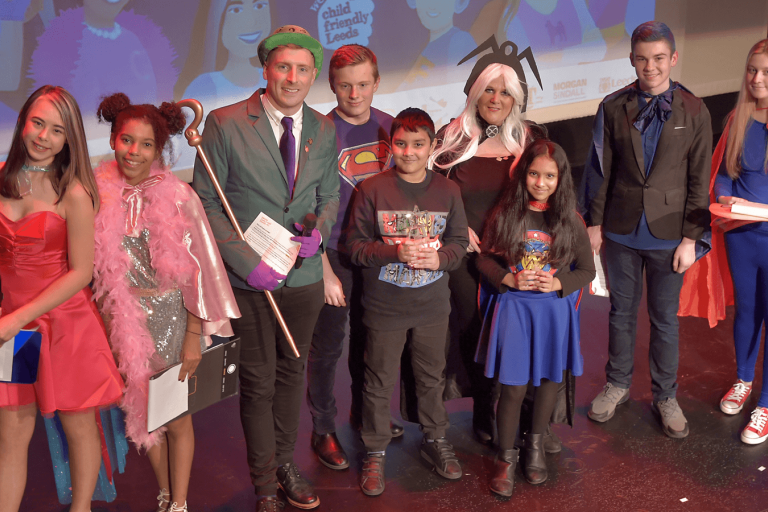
<point>23,179</point>
<point>539,206</point>
<point>488,131</point>
<point>36,168</point>
<point>107,33</point>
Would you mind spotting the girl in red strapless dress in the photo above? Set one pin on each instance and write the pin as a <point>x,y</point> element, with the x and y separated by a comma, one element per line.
<point>48,200</point>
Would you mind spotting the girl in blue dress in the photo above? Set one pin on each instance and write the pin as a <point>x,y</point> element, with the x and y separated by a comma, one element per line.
<point>536,258</point>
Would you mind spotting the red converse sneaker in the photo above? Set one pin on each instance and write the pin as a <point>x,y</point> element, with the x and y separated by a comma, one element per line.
<point>734,399</point>
<point>757,430</point>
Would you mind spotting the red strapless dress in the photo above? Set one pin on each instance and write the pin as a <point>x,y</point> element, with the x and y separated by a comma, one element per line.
<point>77,370</point>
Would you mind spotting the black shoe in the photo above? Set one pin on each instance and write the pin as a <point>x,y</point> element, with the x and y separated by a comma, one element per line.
<point>483,423</point>
<point>329,451</point>
<point>552,443</point>
<point>396,428</point>
<point>535,462</point>
<point>372,475</point>
<point>440,454</point>
<point>298,491</point>
<point>503,479</point>
<point>269,504</point>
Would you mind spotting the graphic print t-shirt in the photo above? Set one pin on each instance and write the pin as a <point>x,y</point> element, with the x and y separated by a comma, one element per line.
<point>364,151</point>
<point>395,295</point>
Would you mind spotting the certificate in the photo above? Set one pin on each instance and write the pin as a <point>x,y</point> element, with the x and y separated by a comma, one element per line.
<point>273,243</point>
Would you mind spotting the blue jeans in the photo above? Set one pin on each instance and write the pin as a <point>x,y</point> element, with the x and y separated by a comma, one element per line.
<point>625,277</point>
<point>328,345</point>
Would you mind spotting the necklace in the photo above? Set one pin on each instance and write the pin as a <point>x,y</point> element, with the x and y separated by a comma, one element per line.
<point>36,168</point>
<point>539,206</point>
<point>763,108</point>
<point>107,33</point>
<point>491,131</point>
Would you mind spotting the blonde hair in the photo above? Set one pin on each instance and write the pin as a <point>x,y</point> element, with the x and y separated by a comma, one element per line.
<point>462,135</point>
<point>740,118</point>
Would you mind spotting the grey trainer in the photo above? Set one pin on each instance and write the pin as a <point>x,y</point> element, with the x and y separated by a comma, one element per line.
<point>672,419</point>
<point>604,405</point>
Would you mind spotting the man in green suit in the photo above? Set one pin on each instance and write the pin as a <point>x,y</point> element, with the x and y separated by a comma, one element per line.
<point>274,154</point>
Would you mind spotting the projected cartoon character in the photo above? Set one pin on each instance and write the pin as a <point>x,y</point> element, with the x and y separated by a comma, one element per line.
<point>447,43</point>
<point>99,48</point>
<point>227,70</point>
<point>562,32</point>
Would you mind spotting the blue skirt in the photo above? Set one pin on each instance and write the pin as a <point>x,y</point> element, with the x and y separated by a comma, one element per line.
<point>528,336</point>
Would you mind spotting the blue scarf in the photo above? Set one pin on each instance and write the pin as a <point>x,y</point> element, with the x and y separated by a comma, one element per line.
<point>656,107</point>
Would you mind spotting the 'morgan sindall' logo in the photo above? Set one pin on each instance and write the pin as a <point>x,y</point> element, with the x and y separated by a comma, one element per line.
<point>569,90</point>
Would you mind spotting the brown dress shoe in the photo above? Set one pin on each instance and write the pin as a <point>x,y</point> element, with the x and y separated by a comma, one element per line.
<point>372,475</point>
<point>329,451</point>
<point>298,491</point>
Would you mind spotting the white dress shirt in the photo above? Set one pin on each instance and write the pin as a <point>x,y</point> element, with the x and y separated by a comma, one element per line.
<point>275,120</point>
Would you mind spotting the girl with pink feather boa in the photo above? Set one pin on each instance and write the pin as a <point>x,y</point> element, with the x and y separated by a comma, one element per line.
<point>159,279</point>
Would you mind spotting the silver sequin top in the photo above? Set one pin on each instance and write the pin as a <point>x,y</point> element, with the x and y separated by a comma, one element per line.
<point>166,315</point>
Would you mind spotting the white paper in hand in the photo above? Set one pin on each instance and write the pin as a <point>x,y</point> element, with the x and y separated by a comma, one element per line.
<point>168,398</point>
<point>6,361</point>
<point>273,243</point>
<point>599,285</point>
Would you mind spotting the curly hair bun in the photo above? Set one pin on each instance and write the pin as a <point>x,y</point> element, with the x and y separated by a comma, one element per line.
<point>174,116</point>
<point>111,106</point>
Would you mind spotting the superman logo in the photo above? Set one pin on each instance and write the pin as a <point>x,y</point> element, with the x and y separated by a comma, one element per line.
<point>361,162</point>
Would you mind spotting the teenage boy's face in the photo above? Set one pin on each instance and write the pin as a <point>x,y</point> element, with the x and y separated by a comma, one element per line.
<point>757,78</point>
<point>289,74</point>
<point>354,87</point>
<point>411,151</point>
<point>653,61</point>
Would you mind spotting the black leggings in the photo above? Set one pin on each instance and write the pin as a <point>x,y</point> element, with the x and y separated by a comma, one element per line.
<point>508,410</point>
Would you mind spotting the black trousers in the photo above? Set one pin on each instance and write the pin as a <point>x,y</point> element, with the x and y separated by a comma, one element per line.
<point>382,363</point>
<point>271,378</point>
<point>328,345</point>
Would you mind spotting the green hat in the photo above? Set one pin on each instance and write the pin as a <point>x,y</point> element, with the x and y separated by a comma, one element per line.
<point>291,34</point>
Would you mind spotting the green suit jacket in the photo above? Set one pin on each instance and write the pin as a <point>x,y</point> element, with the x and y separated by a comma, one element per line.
<point>245,156</point>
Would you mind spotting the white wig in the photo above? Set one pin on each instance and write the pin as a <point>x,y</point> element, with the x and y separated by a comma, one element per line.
<point>462,135</point>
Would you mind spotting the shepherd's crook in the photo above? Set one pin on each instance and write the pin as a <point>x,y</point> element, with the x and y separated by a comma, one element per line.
<point>194,139</point>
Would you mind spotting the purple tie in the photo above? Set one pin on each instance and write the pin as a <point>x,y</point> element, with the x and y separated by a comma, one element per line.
<point>288,151</point>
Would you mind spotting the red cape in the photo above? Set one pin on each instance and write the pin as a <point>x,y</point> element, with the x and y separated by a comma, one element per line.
<point>707,286</point>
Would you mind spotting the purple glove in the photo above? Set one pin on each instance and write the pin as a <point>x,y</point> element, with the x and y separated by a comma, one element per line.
<point>309,244</point>
<point>264,277</point>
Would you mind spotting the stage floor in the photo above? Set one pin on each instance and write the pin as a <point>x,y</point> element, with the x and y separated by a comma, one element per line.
<point>626,464</point>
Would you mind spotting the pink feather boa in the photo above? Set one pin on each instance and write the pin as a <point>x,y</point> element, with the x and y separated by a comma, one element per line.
<point>131,342</point>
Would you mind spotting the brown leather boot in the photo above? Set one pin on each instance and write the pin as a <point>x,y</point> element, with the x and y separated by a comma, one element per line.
<point>503,479</point>
<point>535,462</point>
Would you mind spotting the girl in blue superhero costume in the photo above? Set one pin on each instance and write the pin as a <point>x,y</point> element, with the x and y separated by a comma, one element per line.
<point>536,258</point>
<point>742,177</point>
